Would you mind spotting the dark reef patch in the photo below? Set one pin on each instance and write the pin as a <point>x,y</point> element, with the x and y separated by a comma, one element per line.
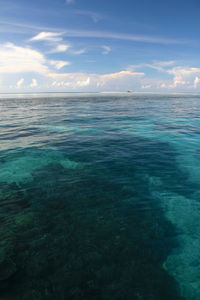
<point>94,232</point>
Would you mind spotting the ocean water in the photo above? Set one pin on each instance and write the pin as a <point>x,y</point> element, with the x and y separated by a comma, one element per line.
<point>99,197</point>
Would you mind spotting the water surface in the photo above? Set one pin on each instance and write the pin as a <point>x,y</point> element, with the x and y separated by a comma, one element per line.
<point>99,196</point>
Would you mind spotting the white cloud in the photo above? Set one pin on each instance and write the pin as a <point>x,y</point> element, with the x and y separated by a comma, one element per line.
<point>110,81</point>
<point>184,71</point>
<point>107,76</point>
<point>20,82</point>
<point>82,83</point>
<point>69,1</point>
<point>59,64</point>
<point>184,76</point>
<point>71,80</point>
<point>33,83</point>
<point>163,86</point>
<point>78,52</point>
<point>161,66</point>
<point>155,84</point>
<point>99,34</point>
<point>165,63</point>
<point>91,14</point>
<point>106,49</point>
<point>196,82</point>
<point>178,81</point>
<point>123,36</point>
<point>47,36</point>
<point>119,75</point>
<point>14,59</point>
<point>60,48</point>
<point>147,86</point>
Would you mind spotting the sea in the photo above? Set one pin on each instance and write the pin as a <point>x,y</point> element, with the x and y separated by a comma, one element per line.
<point>100,196</point>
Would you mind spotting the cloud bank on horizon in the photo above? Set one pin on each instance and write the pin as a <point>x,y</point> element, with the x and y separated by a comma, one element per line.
<point>75,46</point>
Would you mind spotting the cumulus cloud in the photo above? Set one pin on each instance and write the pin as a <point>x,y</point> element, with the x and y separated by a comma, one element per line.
<point>178,81</point>
<point>147,86</point>
<point>47,36</point>
<point>184,71</point>
<point>154,84</point>
<point>196,82</point>
<point>120,75</point>
<point>163,85</point>
<point>17,60</point>
<point>71,80</point>
<point>20,82</point>
<point>110,81</point>
<point>33,83</point>
<point>14,59</point>
<point>82,83</point>
<point>59,64</point>
<point>106,49</point>
<point>184,76</point>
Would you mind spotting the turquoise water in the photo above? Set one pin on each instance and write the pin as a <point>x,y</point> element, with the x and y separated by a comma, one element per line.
<point>99,197</point>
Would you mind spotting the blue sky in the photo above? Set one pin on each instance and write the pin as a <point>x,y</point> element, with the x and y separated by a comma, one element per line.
<point>76,45</point>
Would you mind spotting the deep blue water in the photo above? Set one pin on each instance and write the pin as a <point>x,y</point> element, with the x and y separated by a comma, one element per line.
<point>99,197</point>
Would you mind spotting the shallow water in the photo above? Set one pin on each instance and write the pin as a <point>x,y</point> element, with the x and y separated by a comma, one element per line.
<point>99,197</point>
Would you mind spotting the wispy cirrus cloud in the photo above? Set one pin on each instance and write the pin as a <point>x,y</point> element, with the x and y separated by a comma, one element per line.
<point>161,66</point>
<point>106,49</point>
<point>58,36</point>
<point>55,38</point>
<point>78,52</point>
<point>51,35</point>
<point>47,36</point>
<point>123,36</point>
<point>96,17</point>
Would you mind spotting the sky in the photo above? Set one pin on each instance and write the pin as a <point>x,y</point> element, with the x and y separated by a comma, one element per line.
<point>99,46</point>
